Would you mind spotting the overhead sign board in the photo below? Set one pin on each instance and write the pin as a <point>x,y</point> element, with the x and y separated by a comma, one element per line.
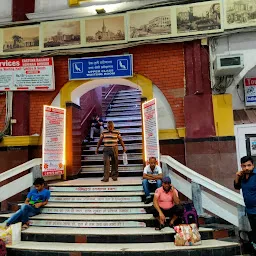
<point>54,132</point>
<point>101,67</point>
<point>250,91</point>
<point>32,74</point>
<point>150,126</point>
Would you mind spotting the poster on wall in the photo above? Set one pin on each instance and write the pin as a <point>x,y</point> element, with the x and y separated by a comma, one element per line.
<point>199,18</point>
<point>150,125</point>
<point>150,24</point>
<point>250,91</point>
<point>32,74</point>
<point>239,13</point>
<point>24,39</point>
<point>253,146</point>
<point>105,30</point>
<point>54,134</point>
<point>61,34</point>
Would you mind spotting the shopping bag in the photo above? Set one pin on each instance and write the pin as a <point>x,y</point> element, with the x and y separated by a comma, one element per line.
<point>11,235</point>
<point>125,159</point>
<point>187,235</point>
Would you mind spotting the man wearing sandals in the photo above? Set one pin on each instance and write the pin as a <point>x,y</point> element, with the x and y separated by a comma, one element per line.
<point>167,204</point>
<point>36,199</point>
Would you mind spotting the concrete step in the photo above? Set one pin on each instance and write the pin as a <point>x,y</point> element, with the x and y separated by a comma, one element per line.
<point>87,223</point>
<point>125,138</point>
<point>130,156</point>
<point>125,97</point>
<point>100,168</point>
<point>85,193</point>
<point>92,182</point>
<point>122,119</point>
<point>118,101</point>
<point>101,211</point>
<point>99,174</point>
<point>119,188</point>
<point>124,113</point>
<point>129,147</point>
<point>124,109</point>
<point>109,235</point>
<point>126,124</point>
<point>131,104</point>
<point>208,247</point>
<point>97,205</point>
<point>96,199</point>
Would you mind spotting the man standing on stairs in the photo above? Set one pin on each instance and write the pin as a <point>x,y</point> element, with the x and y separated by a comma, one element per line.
<point>152,178</point>
<point>110,138</point>
<point>246,180</point>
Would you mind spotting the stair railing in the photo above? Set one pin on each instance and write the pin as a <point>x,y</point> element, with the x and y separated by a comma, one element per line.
<point>205,193</point>
<point>20,184</point>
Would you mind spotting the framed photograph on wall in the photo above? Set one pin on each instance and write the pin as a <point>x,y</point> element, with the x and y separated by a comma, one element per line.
<point>61,34</point>
<point>105,30</point>
<point>239,13</point>
<point>18,40</point>
<point>199,18</point>
<point>150,24</point>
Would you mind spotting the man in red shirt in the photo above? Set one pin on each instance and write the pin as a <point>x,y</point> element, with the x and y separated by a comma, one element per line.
<point>167,204</point>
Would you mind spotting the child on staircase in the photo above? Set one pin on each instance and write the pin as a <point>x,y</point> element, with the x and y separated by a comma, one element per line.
<point>36,199</point>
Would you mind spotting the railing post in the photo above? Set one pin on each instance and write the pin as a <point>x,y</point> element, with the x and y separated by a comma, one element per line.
<point>36,172</point>
<point>165,169</point>
<point>197,198</point>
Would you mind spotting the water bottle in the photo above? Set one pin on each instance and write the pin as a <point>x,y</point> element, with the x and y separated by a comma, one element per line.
<point>125,160</point>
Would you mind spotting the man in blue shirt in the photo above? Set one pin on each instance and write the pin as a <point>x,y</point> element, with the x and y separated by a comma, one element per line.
<point>246,180</point>
<point>36,199</point>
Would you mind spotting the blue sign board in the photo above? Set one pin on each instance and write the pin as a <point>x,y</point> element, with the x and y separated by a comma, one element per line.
<point>101,67</point>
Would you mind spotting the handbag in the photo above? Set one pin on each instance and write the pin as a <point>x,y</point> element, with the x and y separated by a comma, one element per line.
<point>187,235</point>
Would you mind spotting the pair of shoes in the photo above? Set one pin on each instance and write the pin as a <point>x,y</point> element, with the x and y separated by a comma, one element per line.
<point>114,179</point>
<point>105,180</point>
<point>148,200</point>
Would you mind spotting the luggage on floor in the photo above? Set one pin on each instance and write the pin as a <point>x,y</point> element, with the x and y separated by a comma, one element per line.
<point>187,235</point>
<point>190,215</point>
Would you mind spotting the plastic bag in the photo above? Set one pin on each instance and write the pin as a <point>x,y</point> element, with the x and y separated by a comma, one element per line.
<point>12,234</point>
<point>187,235</point>
<point>125,159</point>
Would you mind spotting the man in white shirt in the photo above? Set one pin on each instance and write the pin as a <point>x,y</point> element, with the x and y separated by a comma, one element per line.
<point>152,178</point>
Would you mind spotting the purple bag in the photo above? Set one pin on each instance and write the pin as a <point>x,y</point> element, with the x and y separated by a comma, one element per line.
<point>3,251</point>
<point>190,215</point>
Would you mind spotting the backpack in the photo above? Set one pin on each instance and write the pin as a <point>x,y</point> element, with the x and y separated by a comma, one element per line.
<point>3,251</point>
<point>190,215</point>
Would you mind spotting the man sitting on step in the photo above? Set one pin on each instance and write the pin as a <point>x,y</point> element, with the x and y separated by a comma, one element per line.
<point>36,199</point>
<point>167,204</point>
<point>97,126</point>
<point>152,178</point>
<point>110,138</point>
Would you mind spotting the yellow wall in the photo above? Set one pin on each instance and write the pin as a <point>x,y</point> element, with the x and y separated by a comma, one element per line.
<point>223,114</point>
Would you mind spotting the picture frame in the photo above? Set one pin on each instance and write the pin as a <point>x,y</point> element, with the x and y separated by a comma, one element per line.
<point>63,34</point>
<point>105,30</point>
<point>22,39</point>
<point>199,18</point>
<point>150,24</point>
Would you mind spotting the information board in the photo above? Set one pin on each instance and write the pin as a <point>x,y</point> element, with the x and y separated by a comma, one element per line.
<point>150,125</point>
<point>54,132</point>
<point>101,67</point>
<point>250,91</point>
<point>32,74</point>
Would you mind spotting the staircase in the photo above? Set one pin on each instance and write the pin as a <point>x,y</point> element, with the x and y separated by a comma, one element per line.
<point>86,217</point>
<point>125,111</point>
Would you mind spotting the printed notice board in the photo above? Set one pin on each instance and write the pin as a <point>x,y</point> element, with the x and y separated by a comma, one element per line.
<point>31,74</point>
<point>250,91</point>
<point>54,132</point>
<point>150,125</point>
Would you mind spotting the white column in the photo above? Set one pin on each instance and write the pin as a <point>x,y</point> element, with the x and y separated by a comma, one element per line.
<point>6,11</point>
